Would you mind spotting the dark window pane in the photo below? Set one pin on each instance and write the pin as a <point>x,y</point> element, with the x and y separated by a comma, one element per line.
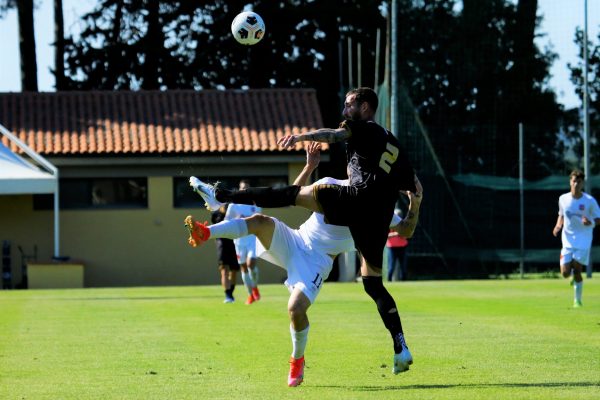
<point>95,193</point>
<point>43,201</point>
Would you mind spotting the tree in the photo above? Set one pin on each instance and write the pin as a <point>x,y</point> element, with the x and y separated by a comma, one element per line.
<point>59,46</point>
<point>26,41</point>
<point>473,73</point>
<point>474,77</point>
<point>573,127</point>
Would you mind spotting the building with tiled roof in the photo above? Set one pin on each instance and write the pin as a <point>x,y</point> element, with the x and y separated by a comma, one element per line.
<point>181,122</point>
<point>124,159</point>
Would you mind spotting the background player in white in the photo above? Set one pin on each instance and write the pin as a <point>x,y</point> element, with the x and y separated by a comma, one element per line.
<point>307,253</point>
<point>245,247</point>
<point>578,214</point>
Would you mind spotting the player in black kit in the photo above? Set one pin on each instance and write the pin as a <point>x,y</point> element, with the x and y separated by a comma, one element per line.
<point>378,168</point>
<point>226,257</point>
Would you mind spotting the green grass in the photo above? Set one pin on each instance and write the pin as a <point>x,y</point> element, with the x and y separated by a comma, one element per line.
<point>504,339</point>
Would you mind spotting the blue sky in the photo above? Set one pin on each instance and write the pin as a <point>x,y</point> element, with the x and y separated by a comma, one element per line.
<point>560,19</point>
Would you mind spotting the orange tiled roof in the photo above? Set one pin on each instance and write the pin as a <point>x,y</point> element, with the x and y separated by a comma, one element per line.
<point>155,122</point>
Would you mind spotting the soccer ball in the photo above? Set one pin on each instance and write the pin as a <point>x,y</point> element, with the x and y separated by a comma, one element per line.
<point>248,28</point>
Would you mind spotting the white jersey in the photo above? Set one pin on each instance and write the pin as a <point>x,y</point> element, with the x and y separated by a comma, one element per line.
<point>241,211</point>
<point>307,252</point>
<point>245,246</point>
<point>575,235</point>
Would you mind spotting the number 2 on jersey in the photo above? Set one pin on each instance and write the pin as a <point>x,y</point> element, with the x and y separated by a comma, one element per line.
<point>388,157</point>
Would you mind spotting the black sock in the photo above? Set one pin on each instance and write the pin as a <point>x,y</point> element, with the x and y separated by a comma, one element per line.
<point>261,196</point>
<point>386,306</point>
<point>399,342</point>
<point>231,289</point>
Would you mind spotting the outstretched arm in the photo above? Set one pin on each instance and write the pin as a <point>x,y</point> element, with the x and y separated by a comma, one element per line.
<point>407,226</point>
<point>313,157</point>
<point>325,135</point>
<point>558,226</point>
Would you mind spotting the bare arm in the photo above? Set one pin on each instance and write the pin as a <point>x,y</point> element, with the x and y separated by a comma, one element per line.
<point>313,157</point>
<point>406,227</point>
<point>558,226</point>
<point>325,135</point>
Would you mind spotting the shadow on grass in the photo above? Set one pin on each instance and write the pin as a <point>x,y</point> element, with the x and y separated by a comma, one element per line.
<point>466,386</point>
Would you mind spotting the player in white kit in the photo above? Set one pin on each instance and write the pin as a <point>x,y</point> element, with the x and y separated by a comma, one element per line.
<point>307,254</point>
<point>245,247</point>
<point>578,214</point>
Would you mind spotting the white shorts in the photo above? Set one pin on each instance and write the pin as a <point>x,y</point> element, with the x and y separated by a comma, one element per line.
<point>567,254</point>
<point>245,248</point>
<point>306,269</point>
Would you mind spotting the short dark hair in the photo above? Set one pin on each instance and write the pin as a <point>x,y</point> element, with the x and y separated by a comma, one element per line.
<point>365,94</point>
<point>577,174</point>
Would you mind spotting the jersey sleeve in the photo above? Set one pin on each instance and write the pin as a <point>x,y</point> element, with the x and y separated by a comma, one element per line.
<point>594,211</point>
<point>560,210</point>
<point>395,220</point>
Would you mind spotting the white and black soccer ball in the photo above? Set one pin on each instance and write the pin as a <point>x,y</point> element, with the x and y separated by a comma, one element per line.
<point>248,28</point>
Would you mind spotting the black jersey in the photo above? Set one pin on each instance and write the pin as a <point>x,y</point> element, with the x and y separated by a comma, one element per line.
<point>376,160</point>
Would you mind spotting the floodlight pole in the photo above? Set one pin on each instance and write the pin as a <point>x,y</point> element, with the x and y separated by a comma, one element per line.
<point>394,70</point>
<point>586,118</point>
<point>521,203</point>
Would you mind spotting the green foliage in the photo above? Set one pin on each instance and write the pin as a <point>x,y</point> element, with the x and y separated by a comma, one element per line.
<point>517,339</point>
<point>6,5</point>
<point>573,123</point>
<point>470,67</point>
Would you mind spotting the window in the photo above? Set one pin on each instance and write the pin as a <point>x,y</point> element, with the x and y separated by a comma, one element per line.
<point>97,193</point>
<point>185,197</point>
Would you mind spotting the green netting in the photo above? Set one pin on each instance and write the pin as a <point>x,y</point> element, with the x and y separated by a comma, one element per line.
<point>554,182</point>
<point>550,256</point>
<point>470,219</point>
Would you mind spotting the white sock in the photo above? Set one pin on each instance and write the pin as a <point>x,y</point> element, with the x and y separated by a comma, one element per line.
<point>248,282</point>
<point>578,289</point>
<point>299,340</point>
<point>254,273</point>
<point>232,229</point>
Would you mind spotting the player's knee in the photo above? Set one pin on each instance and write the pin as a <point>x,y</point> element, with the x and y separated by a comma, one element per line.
<point>296,311</point>
<point>257,222</point>
<point>566,272</point>
<point>373,286</point>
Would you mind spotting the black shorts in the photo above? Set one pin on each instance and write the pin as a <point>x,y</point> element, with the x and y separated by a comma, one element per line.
<point>366,212</point>
<point>226,254</point>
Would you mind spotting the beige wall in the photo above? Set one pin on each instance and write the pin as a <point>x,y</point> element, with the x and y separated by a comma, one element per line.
<point>126,247</point>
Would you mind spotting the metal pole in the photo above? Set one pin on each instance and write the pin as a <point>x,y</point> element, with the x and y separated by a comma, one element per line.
<point>394,71</point>
<point>359,63</point>
<point>350,72</point>
<point>341,70</point>
<point>586,118</point>
<point>377,55</point>
<point>586,125</point>
<point>521,202</point>
<point>56,219</point>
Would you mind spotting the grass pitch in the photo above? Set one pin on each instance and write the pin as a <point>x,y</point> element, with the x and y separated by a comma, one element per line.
<point>517,339</point>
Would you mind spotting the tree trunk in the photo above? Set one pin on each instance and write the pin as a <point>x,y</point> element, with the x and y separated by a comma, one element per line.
<point>59,46</point>
<point>27,46</point>
<point>153,44</point>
